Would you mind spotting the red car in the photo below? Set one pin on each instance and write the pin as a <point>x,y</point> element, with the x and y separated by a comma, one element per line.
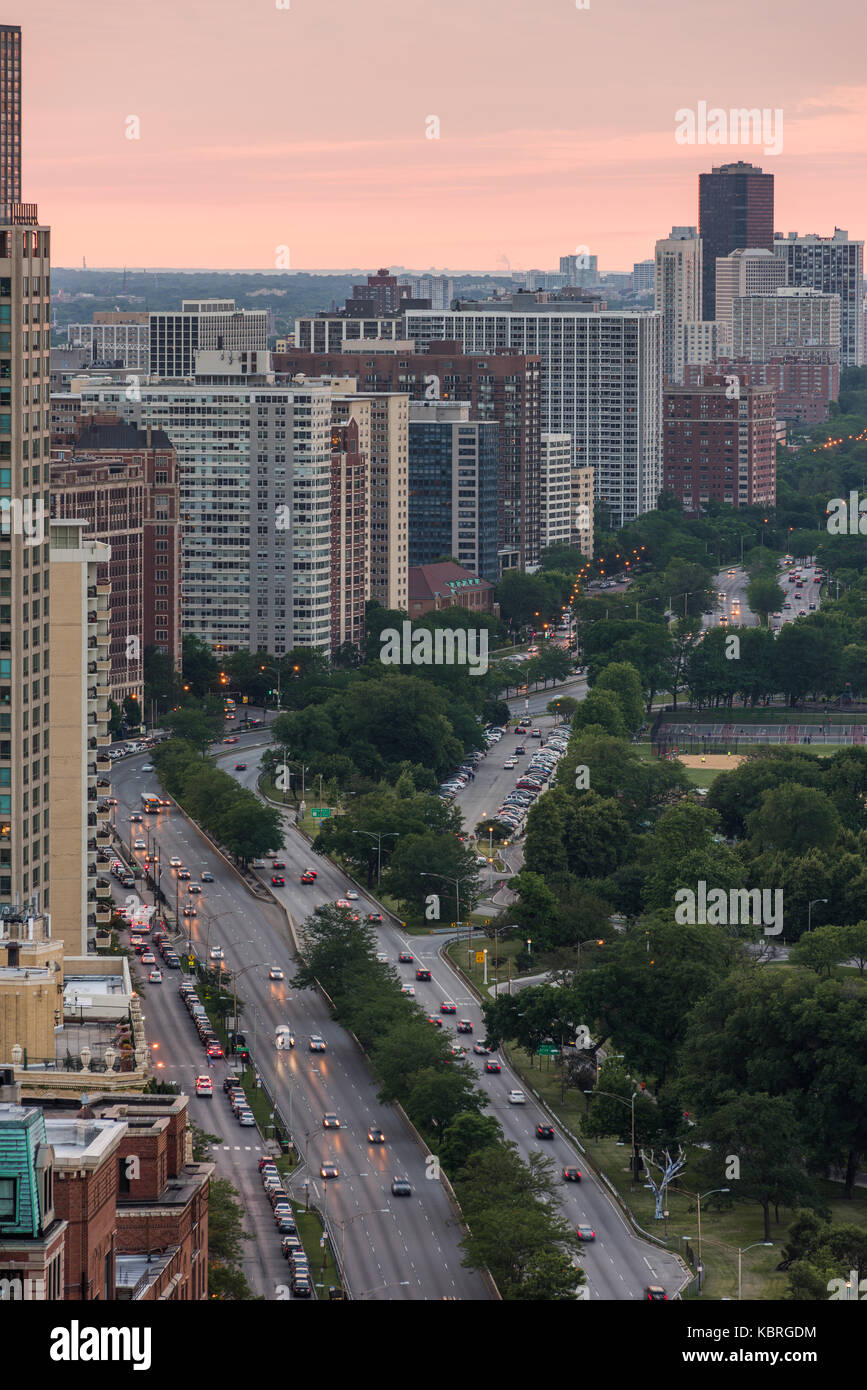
<point>240,767</point>
<point>233,739</point>
<point>376,917</point>
<point>307,877</point>
<point>405,958</point>
<point>278,881</point>
<point>311,872</point>
<point>446,1007</point>
<point>215,1050</point>
<point>432,1018</point>
<point>278,864</point>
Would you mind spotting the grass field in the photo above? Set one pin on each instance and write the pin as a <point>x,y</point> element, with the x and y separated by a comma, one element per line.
<point>774,714</point>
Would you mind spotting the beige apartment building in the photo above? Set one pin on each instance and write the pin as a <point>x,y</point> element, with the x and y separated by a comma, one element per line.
<point>751,271</point>
<point>24,557</point>
<point>582,510</point>
<point>80,637</point>
<point>31,989</point>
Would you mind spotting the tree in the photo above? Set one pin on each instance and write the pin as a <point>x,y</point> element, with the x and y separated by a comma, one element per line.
<point>820,949</point>
<point>623,679</point>
<point>765,1133</point>
<point>794,818</point>
<point>764,596</point>
<point>444,858</point>
<point>435,1096</point>
<point>200,667</point>
<point>602,708</point>
<point>563,708</point>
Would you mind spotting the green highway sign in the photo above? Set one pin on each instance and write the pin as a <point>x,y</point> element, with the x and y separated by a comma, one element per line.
<point>547,1050</point>
<point>321,814</point>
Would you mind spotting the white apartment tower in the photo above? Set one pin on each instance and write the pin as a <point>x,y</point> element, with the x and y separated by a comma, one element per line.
<point>833,265</point>
<point>749,271</point>
<point>677,294</point>
<point>555,478</point>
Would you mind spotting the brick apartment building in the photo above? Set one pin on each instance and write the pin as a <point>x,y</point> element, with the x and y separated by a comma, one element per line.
<point>718,446</point>
<point>124,482</point>
<point>130,1211</point>
<point>805,387</point>
<point>447,585</point>
<point>499,386</point>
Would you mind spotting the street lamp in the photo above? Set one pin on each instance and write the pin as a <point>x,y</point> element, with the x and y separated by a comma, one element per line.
<point>377,835</point>
<point>631,1104</point>
<point>810,907</point>
<point>277,673</point>
<point>741,1252</point>
<point>457,882</point>
<point>324,1135</point>
<point>236,976</point>
<point>374,1211</point>
<point>698,1197</point>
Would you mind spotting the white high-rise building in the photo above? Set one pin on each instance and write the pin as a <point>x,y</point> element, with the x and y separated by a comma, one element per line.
<point>834,265</point>
<point>255,480</point>
<point>555,479</point>
<point>791,320</point>
<point>601,383</point>
<point>749,271</point>
<point>202,324</point>
<point>677,294</point>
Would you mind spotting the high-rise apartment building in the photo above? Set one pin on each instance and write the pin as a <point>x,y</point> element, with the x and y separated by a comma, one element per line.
<point>202,325</point>
<point>80,739</point>
<point>735,209</point>
<point>115,336</point>
<point>452,487</point>
<point>601,383</point>
<point>677,294</point>
<point>350,529</point>
<point>745,272</point>
<point>555,491</point>
<point>804,322</point>
<point>24,557</point>
<point>125,483</point>
<point>644,277</point>
<point>719,446</point>
<point>10,113</point>
<point>503,387</point>
<point>580,269</point>
<point>255,486</point>
<point>805,387</point>
<point>834,265</point>
<point>583,496</point>
<point>439,290</point>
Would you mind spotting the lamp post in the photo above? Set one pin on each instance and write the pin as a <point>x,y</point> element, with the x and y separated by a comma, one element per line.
<point>374,1211</point>
<point>810,907</point>
<point>742,1252</point>
<point>236,976</point>
<point>631,1104</point>
<point>457,882</point>
<point>276,671</point>
<point>307,1137</point>
<point>376,835</point>
<point>698,1198</point>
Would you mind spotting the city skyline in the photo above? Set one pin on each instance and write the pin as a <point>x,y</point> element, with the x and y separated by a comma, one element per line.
<point>237,155</point>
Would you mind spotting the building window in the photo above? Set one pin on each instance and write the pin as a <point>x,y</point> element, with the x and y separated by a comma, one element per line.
<point>9,1200</point>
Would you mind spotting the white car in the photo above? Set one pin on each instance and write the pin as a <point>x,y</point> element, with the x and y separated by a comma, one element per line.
<point>408,989</point>
<point>175,862</point>
<point>275,973</point>
<point>511,762</point>
<point>148,767</point>
<point>352,895</point>
<point>216,953</point>
<point>517,1098</point>
<point>140,844</point>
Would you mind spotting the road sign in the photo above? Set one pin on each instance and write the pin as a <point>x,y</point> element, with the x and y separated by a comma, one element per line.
<point>547,1050</point>
<point>480,957</point>
<point>321,813</point>
<point>191,962</point>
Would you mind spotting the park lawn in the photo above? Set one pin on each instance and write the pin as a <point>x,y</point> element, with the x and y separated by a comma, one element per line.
<point>310,1234</point>
<point>724,1229</point>
<point>773,715</point>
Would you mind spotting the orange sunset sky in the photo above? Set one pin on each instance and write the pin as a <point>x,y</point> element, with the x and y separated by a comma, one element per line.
<point>305,126</point>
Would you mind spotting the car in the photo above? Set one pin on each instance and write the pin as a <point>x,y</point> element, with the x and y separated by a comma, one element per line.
<point>205,1087</point>
<point>278,864</point>
<point>313,872</point>
<point>537,733</point>
<point>317,1043</point>
<point>246,1117</point>
<point>172,961</point>
<point>493,1066</point>
<point>585,1232</point>
<point>233,738</point>
<point>148,767</point>
<point>283,1036</point>
<point>517,1098</point>
<point>457,1052</point>
<point>802,612</point>
<point>136,818</point>
<point>405,957</point>
<point>330,1121</point>
<point>400,1187</point>
<point>307,877</point>
<point>266,1165</point>
<point>422,973</point>
<point>194,888</point>
<point>240,767</point>
<point>276,973</point>
<point>216,953</point>
<point>148,958</point>
<point>544,1131</point>
<point>464,1026</point>
<point>435,1018</point>
<point>447,1007</point>
<point>655,1293</point>
<point>480,1049</point>
<point>375,1135</point>
<point>374,916</point>
<point>184,874</point>
<point>278,881</point>
<point>156,976</point>
<point>787,606</point>
<point>214,1050</point>
<point>382,957</point>
<point>352,895</point>
<point>571,1175</point>
<point>520,749</point>
<point>207,876</point>
<point>329,1170</point>
<point>290,1245</point>
<point>190,910</point>
<point>812,607</point>
<point>510,762</point>
<point>302,1288</point>
<point>408,989</point>
<point>140,844</point>
<point>342,902</point>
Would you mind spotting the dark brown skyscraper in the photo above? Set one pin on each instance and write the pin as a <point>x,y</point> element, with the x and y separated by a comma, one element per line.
<point>10,113</point>
<point>735,211</point>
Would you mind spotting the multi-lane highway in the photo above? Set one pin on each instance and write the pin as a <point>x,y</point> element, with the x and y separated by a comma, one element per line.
<point>397,1248</point>
<point>618,1265</point>
<point>731,601</point>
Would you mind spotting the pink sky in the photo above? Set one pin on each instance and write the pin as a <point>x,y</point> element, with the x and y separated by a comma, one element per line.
<point>305,127</point>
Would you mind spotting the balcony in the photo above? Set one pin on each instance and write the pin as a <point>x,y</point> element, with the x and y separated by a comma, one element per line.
<point>103,664</point>
<point>103,916</point>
